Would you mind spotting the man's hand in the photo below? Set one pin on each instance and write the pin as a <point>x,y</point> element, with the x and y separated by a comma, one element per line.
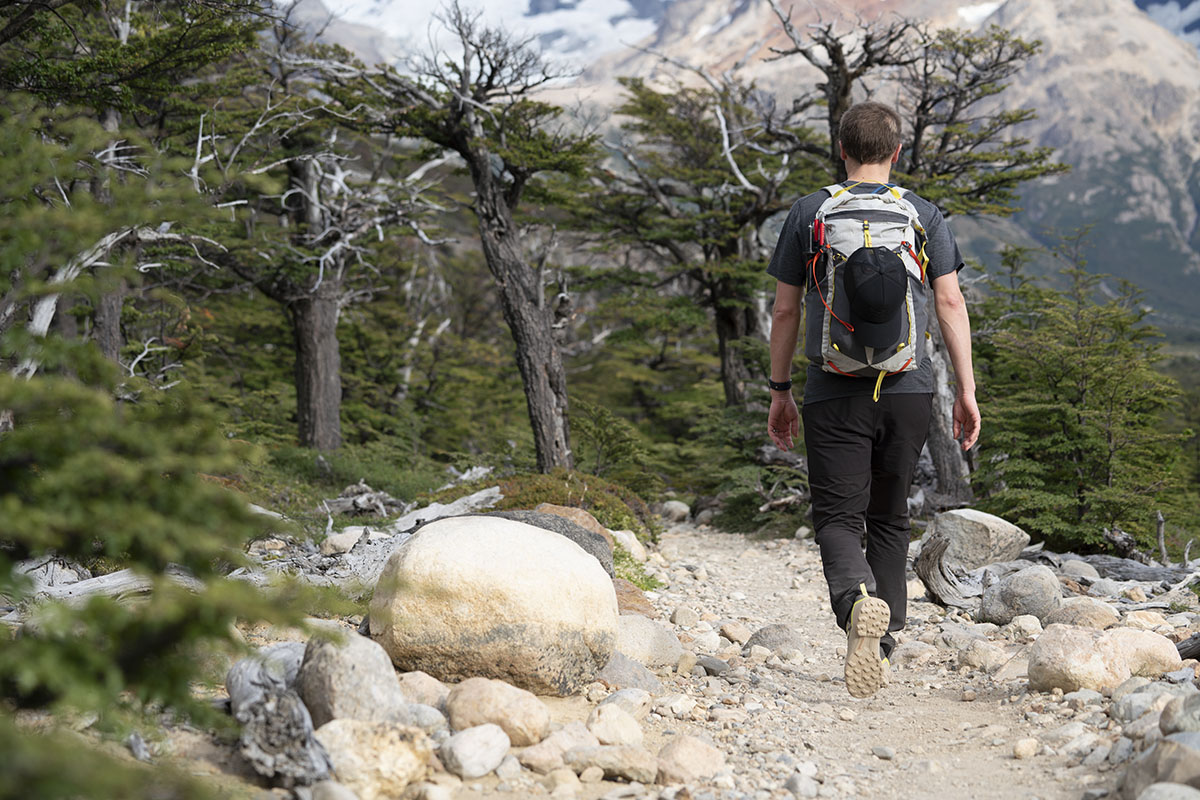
<point>966,419</point>
<point>783,422</point>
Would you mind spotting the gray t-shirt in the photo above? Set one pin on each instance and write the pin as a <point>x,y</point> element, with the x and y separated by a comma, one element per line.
<point>788,265</point>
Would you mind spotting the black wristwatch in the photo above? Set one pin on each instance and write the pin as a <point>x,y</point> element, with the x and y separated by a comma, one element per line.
<point>779,386</point>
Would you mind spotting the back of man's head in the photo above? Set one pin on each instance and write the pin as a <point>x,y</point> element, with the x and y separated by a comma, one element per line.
<point>870,132</point>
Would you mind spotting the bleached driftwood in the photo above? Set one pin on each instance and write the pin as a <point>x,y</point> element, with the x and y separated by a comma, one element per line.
<point>120,585</point>
<point>277,731</point>
<point>947,583</point>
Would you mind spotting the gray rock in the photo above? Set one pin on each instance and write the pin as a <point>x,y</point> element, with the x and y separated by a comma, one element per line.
<point>1121,751</point>
<point>1182,675</point>
<point>1129,686</point>
<point>883,753</point>
<point>685,617</point>
<point>1175,759</point>
<point>688,759</point>
<point>976,538</point>
<point>912,653</point>
<point>348,679</point>
<point>476,751</point>
<point>954,636</point>
<point>635,702</point>
<point>332,790</point>
<point>418,715</point>
<point>1136,704</point>
<point>593,544</point>
<point>775,638</point>
<point>713,665</point>
<point>1181,714</point>
<point>1082,697</point>
<point>647,642</point>
<point>611,724</point>
<point>1169,791</point>
<point>1106,587</point>
<point>1034,590</point>
<point>1074,568</point>
<point>802,785</point>
<point>983,655</point>
<point>622,672</point>
<point>617,761</point>
<point>675,511</point>
<point>421,687</point>
<point>547,755</point>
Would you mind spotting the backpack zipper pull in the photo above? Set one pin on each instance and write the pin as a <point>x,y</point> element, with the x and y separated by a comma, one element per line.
<point>866,233</point>
<point>879,385</point>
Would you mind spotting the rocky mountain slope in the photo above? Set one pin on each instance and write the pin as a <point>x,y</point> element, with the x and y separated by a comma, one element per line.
<point>1116,87</point>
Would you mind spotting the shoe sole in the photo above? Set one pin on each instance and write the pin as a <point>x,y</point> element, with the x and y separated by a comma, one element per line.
<point>864,668</point>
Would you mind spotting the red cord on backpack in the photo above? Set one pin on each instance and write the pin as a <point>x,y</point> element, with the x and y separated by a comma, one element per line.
<point>813,265</point>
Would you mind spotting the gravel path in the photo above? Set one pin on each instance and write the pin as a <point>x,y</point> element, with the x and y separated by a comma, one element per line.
<point>917,738</point>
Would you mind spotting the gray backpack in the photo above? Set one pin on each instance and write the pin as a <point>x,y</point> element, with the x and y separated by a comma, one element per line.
<point>844,223</point>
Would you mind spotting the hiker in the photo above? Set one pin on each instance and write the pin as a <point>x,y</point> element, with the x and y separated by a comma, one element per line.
<point>864,258</point>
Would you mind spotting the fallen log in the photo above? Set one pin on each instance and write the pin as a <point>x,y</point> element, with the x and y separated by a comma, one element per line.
<point>1125,569</point>
<point>1189,647</point>
<point>277,731</point>
<point>947,584</point>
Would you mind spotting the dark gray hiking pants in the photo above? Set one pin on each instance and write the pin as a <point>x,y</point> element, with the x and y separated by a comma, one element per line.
<point>861,457</point>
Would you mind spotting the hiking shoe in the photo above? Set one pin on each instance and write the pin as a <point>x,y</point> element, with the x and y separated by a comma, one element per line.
<point>864,668</point>
<point>885,673</point>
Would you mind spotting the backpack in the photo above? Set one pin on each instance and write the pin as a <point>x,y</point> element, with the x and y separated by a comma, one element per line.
<point>845,223</point>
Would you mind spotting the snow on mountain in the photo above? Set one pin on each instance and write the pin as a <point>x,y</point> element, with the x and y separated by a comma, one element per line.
<point>576,32</point>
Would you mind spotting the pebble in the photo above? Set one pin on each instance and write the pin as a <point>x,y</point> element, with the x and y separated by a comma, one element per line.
<point>883,753</point>
<point>1026,748</point>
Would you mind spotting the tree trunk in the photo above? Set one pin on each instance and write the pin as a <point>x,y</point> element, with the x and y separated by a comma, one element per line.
<point>107,331</point>
<point>318,368</point>
<point>948,459</point>
<point>735,321</point>
<point>531,323</point>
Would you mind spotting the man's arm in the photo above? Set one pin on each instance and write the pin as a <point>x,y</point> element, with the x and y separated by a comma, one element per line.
<point>956,333</point>
<point>783,422</point>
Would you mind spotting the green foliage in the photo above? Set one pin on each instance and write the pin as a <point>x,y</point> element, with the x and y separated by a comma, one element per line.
<point>84,476</point>
<point>627,567</point>
<point>1076,440</point>
<point>610,447</point>
<point>616,507</point>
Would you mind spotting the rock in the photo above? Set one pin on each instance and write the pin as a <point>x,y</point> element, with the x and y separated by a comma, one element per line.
<point>580,517</point>
<point>611,724</point>
<point>547,755</point>
<point>1034,590</point>
<point>1154,697</point>
<point>622,672</point>
<point>1181,714</point>
<point>1175,759</point>
<point>1026,748</point>
<point>1129,686</point>
<point>1068,658</point>
<point>351,678</point>
<point>675,511</point>
<point>1106,587</point>
<point>1083,697</point>
<point>476,701</point>
<point>686,663</point>
<point>912,653</point>
<point>375,760</point>
<point>458,599</point>
<point>707,642</point>
<point>625,763</point>
<point>632,600</point>
<point>1085,612</point>
<point>591,775</point>
<point>421,687</point>
<point>883,752</point>
<point>1017,668</point>
<point>976,538</point>
<point>1146,653</point>
<point>775,638</point>
<point>688,759</point>
<point>1145,620</point>
<point>332,790</point>
<point>634,702</point>
<point>958,637</point>
<point>1023,627</point>
<point>418,715</point>
<point>632,545</point>
<point>713,665</point>
<point>476,751</point>
<point>596,544</point>
<point>1075,568</point>
<point>647,642</point>
<point>735,632</point>
<point>1169,791</point>
<point>337,543</point>
<point>509,768</point>
<point>802,785</point>
<point>1134,593</point>
<point>983,655</point>
<point>684,617</point>
<point>1122,749</point>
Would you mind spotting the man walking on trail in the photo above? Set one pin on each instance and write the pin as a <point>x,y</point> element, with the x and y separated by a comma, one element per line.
<point>862,258</point>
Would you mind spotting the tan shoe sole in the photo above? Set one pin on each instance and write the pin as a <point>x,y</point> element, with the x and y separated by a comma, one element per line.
<point>864,668</point>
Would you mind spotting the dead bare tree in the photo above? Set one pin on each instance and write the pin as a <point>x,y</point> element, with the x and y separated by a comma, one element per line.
<point>479,105</point>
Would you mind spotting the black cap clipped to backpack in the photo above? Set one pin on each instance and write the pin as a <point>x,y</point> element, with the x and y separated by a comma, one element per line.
<point>876,286</point>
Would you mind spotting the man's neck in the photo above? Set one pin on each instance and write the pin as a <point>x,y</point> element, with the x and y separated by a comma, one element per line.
<point>873,173</point>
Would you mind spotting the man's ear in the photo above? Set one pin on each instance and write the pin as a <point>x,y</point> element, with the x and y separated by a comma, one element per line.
<point>896,155</point>
<point>842,149</point>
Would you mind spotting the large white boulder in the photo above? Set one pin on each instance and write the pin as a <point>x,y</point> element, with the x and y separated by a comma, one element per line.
<point>976,537</point>
<point>483,596</point>
<point>1071,658</point>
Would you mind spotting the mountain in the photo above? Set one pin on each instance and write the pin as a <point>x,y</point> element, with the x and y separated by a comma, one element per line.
<point>1116,87</point>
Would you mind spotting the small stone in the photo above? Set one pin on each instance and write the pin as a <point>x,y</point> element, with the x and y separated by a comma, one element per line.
<point>1135,594</point>
<point>736,632</point>
<point>476,701</point>
<point>688,759</point>
<point>846,715</point>
<point>968,695</point>
<point>687,662</point>
<point>611,724</point>
<point>343,542</point>
<point>685,617</point>
<point>421,687</point>
<point>1026,748</point>
<point>635,702</point>
<point>883,753</point>
<point>713,665</point>
<point>592,775</point>
<point>802,786</point>
<point>626,763</point>
<point>509,768</point>
<point>547,755</point>
<point>475,751</point>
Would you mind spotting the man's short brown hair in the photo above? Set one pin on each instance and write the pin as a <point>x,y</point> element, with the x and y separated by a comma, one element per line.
<point>870,132</point>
